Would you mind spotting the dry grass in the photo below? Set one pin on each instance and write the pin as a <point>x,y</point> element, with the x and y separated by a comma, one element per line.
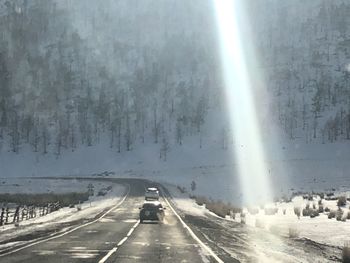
<point>201,200</point>
<point>346,253</point>
<point>339,215</point>
<point>293,232</point>
<point>42,199</point>
<point>276,230</point>
<point>320,209</point>
<point>218,207</point>
<point>253,210</point>
<point>341,201</point>
<point>332,214</point>
<point>243,219</point>
<point>297,211</point>
<point>270,210</point>
<point>181,189</point>
<point>259,223</point>
<point>310,212</point>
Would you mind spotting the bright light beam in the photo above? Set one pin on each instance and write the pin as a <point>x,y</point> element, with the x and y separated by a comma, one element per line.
<point>238,79</point>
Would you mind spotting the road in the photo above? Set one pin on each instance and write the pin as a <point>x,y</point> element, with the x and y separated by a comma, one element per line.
<point>118,237</point>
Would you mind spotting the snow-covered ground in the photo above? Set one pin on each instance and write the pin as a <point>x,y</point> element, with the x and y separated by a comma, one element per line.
<point>269,242</point>
<point>88,211</point>
<point>292,166</point>
<point>319,229</point>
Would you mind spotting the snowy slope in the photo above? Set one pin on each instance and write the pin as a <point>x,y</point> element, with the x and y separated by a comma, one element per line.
<point>301,166</point>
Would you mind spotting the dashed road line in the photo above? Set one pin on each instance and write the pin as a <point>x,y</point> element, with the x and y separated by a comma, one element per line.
<point>69,231</point>
<point>121,242</point>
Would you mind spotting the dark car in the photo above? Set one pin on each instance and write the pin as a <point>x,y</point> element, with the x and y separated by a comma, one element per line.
<point>152,210</point>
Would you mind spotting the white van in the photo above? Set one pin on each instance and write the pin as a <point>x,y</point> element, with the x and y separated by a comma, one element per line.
<point>152,193</point>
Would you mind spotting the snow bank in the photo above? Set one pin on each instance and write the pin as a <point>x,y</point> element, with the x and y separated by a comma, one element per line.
<point>89,210</point>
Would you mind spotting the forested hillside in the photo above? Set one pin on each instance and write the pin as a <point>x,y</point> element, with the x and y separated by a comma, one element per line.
<point>304,50</point>
<point>74,73</point>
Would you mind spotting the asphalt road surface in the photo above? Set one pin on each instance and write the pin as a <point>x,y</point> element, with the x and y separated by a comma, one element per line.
<point>119,237</point>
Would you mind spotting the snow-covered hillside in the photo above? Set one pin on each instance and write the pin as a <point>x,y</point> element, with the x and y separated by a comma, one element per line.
<point>296,167</point>
<point>135,88</point>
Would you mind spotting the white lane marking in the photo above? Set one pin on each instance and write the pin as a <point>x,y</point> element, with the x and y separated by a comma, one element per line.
<point>130,221</point>
<point>69,231</point>
<point>121,242</point>
<point>194,236</point>
<point>44,252</point>
<point>133,228</point>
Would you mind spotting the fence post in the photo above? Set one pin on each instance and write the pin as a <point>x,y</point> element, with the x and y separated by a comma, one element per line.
<point>2,216</point>
<point>22,213</point>
<point>16,215</point>
<point>7,215</point>
<point>31,214</point>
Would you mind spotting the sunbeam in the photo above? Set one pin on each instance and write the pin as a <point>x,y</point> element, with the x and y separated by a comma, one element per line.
<point>239,76</point>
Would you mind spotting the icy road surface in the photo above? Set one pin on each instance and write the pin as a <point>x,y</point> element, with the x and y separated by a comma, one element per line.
<point>186,235</point>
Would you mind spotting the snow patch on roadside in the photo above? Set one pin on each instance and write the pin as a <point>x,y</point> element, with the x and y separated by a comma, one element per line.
<point>184,203</point>
<point>89,210</point>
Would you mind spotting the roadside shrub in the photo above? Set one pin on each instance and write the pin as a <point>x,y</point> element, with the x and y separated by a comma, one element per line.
<point>346,253</point>
<point>332,214</point>
<point>308,197</point>
<point>285,199</point>
<point>222,209</point>
<point>201,200</point>
<point>306,212</point>
<point>79,208</point>
<point>320,209</point>
<point>218,208</point>
<point>327,210</point>
<point>310,212</point>
<point>297,211</point>
<point>270,210</point>
<point>314,213</point>
<point>293,232</point>
<point>181,189</point>
<point>232,215</point>
<point>341,201</point>
<point>253,211</point>
<point>243,219</point>
<point>339,215</point>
